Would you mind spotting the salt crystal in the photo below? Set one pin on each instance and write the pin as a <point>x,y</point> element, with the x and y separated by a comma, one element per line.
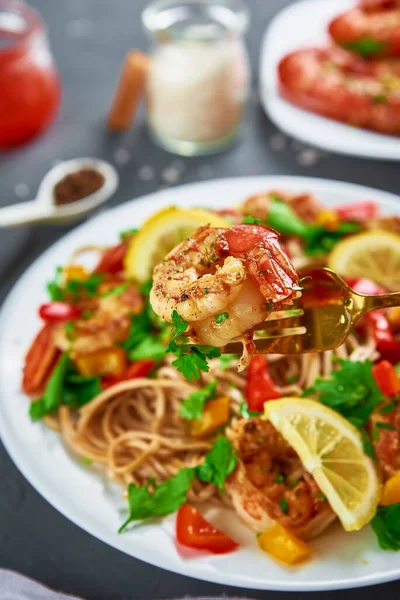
<point>21,190</point>
<point>307,158</point>
<point>122,156</point>
<point>78,28</point>
<point>278,142</point>
<point>146,173</point>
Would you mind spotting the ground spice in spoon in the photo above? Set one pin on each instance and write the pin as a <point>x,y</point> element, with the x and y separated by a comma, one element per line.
<point>78,185</point>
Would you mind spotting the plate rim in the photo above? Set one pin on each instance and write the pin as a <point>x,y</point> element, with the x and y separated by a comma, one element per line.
<point>61,504</point>
<point>269,97</point>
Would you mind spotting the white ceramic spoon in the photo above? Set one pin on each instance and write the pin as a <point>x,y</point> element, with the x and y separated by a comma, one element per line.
<point>44,210</point>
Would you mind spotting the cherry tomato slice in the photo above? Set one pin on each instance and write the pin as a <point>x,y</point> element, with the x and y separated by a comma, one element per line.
<point>112,259</point>
<point>194,531</point>
<point>259,388</point>
<point>39,361</point>
<point>358,211</point>
<point>57,312</point>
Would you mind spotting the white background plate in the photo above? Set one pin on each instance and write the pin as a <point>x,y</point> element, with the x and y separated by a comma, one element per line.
<point>341,560</point>
<point>301,24</point>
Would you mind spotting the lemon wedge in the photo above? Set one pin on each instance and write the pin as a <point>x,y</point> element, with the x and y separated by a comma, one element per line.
<point>372,254</point>
<point>161,232</point>
<point>331,449</point>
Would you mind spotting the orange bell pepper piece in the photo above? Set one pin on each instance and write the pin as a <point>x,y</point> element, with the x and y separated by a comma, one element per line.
<point>283,545</point>
<point>215,414</point>
<point>106,361</point>
<point>391,490</point>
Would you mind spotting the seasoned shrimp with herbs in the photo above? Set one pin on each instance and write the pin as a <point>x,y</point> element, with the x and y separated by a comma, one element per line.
<point>223,282</point>
<point>270,483</point>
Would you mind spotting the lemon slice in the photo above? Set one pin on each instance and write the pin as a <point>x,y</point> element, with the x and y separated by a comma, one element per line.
<point>160,234</point>
<point>373,254</point>
<point>331,449</point>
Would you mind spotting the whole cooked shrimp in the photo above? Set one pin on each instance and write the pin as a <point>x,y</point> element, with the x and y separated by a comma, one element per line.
<point>270,483</point>
<point>224,282</point>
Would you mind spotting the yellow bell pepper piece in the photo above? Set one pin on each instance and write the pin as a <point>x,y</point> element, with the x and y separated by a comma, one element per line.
<point>328,219</point>
<point>215,414</point>
<point>106,361</point>
<point>74,272</point>
<point>391,490</point>
<point>282,545</point>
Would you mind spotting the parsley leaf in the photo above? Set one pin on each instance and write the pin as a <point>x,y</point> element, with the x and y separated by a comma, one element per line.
<point>179,324</point>
<point>388,408</point>
<point>250,221</point>
<point>165,498</point>
<point>318,239</point>
<point>368,446</point>
<point>149,347</point>
<point>75,287</point>
<point>225,360</point>
<point>191,359</point>
<point>351,390</point>
<point>192,406</point>
<point>366,46</point>
<point>220,461</point>
<point>284,505</point>
<point>54,288</point>
<point>221,318</point>
<point>52,396</point>
<point>386,526</point>
<point>65,386</point>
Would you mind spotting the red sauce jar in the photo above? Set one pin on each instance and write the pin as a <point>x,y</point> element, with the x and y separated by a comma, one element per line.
<point>29,84</point>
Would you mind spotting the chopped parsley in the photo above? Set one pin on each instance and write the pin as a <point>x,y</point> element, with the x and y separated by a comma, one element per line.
<point>192,406</point>
<point>351,390</point>
<point>270,306</point>
<point>220,461</point>
<point>221,318</point>
<point>69,329</point>
<point>291,379</point>
<point>366,46</point>
<point>280,479</point>
<point>387,409</point>
<point>379,99</point>
<point>116,291</point>
<point>128,233</point>
<point>368,446</point>
<point>58,290</point>
<point>379,425</point>
<point>246,413</point>
<point>249,220</point>
<point>284,505</point>
<point>386,526</point>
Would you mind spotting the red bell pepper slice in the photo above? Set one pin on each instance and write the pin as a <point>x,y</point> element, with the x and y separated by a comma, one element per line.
<point>358,211</point>
<point>58,312</point>
<point>386,378</point>
<point>140,368</point>
<point>194,531</point>
<point>112,259</point>
<point>259,387</point>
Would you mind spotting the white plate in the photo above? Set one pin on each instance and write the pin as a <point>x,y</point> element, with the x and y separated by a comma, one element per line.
<point>341,560</point>
<point>301,24</point>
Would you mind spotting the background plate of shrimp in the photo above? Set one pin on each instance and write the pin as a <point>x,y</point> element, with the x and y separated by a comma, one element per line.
<point>87,499</point>
<point>304,25</point>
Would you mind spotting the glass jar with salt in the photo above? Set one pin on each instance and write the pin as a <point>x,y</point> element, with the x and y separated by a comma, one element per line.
<point>199,73</point>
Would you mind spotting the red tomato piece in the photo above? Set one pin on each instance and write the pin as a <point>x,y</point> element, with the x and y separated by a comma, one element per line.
<point>337,85</point>
<point>358,211</point>
<point>386,378</point>
<point>140,368</point>
<point>371,33</point>
<point>194,531</point>
<point>112,259</point>
<point>365,286</point>
<point>39,361</point>
<point>58,312</point>
<point>259,387</point>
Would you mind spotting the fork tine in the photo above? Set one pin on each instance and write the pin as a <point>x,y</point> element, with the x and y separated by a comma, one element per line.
<point>281,337</point>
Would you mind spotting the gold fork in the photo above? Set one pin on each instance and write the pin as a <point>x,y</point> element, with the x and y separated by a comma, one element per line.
<point>321,319</point>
